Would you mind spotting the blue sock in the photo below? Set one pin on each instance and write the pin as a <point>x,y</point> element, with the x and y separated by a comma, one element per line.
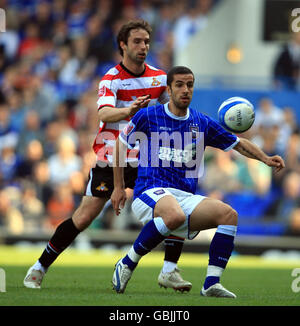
<point>220,251</point>
<point>210,280</point>
<point>148,239</point>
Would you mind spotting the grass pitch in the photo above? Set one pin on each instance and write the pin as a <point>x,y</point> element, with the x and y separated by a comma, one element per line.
<point>84,279</point>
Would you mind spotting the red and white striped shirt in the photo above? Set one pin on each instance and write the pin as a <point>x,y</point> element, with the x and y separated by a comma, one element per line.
<point>119,88</point>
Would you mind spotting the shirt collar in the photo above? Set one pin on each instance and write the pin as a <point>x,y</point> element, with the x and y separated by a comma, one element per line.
<point>173,116</point>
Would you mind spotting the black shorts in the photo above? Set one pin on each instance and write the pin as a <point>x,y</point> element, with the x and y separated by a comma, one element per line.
<point>101,181</point>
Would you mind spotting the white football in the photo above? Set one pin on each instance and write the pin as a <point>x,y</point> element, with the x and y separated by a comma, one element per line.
<point>236,114</point>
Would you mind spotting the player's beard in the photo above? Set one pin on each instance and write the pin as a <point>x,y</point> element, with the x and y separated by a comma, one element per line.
<point>136,58</point>
<point>180,105</point>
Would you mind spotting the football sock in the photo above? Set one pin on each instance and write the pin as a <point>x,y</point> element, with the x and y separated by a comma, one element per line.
<point>168,267</point>
<point>40,267</point>
<point>220,251</point>
<point>173,249</point>
<point>153,233</point>
<point>63,236</point>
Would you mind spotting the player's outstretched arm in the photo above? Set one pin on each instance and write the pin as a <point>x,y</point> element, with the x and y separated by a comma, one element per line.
<point>249,149</point>
<point>112,114</point>
<point>118,196</point>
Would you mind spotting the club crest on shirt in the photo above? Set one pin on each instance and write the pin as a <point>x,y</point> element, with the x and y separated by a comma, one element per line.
<point>102,91</point>
<point>194,130</point>
<point>155,82</point>
<point>102,187</point>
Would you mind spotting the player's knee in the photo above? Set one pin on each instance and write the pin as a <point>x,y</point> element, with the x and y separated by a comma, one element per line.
<point>229,216</point>
<point>174,220</point>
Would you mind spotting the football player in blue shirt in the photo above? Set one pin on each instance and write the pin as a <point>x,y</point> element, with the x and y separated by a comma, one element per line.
<point>172,139</point>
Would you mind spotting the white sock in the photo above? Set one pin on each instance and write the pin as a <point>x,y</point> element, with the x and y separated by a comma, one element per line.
<point>133,255</point>
<point>168,267</point>
<point>214,271</point>
<point>40,267</point>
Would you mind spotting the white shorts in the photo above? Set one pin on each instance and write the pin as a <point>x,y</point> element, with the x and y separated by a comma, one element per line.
<point>143,207</point>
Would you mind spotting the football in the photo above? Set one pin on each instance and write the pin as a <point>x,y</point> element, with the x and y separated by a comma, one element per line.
<point>236,114</point>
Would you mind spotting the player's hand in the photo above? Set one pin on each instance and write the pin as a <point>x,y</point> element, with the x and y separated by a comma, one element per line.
<point>140,102</point>
<point>275,161</point>
<point>118,198</point>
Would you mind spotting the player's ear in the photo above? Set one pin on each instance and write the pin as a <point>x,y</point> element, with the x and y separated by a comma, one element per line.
<point>169,90</point>
<point>122,45</point>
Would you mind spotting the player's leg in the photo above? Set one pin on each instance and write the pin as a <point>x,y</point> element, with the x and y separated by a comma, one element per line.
<point>173,248</point>
<point>89,208</point>
<point>169,276</point>
<point>153,233</point>
<point>63,236</point>
<point>211,213</point>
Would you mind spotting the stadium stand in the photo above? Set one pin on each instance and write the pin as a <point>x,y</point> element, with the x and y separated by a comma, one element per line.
<point>53,55</point>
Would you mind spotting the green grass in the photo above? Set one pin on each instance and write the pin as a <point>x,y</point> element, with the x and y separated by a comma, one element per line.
<point>92,286</point>
<point>84,279</point>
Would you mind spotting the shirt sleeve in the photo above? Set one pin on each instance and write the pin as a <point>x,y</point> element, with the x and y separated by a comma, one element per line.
<point>135,129</point>
<point>107,94</point>
<point>216,136</point>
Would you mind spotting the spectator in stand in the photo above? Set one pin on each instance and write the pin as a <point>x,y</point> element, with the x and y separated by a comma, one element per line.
<point>190,23</point>
<point>100,40</point>
<point>254,177</point>
<point>52,134</point>
<point>33,153</point>
<point>18,110</point>
<point>31,39</point>
<point>10,216</point>
<point>221,173</point>
<point>286,72</point>
<point>9,162</point>
<point>60,34</point>
<point>32,208</point>
<point>77,69</point>
<point>4,63</point>
<point>267,113</point>
<point>31,131</point>
<point>77,184</point>
<point>10,39</point>
<point>59,9</point>
<point>65,162</point>
<point>286,208</point>
<point>39,98</point>
<point>8,134</point>
<point>41,180</point>
<point>60,206</point>
<point>43,19</point>
<point>292,153</point>
<point>77,16</point>
<point>63,116</point>
<point>269,126</point>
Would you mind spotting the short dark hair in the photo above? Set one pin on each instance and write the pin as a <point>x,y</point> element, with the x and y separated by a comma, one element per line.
<point>181,70</point>
<point>124,32</point>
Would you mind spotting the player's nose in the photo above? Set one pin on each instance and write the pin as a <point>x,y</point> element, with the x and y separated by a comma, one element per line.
<point>143,46</point>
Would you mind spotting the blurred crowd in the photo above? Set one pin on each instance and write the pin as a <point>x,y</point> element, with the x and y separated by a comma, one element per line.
<point>52,57</point>
<point>286,70</point>
<point>254,189</point>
